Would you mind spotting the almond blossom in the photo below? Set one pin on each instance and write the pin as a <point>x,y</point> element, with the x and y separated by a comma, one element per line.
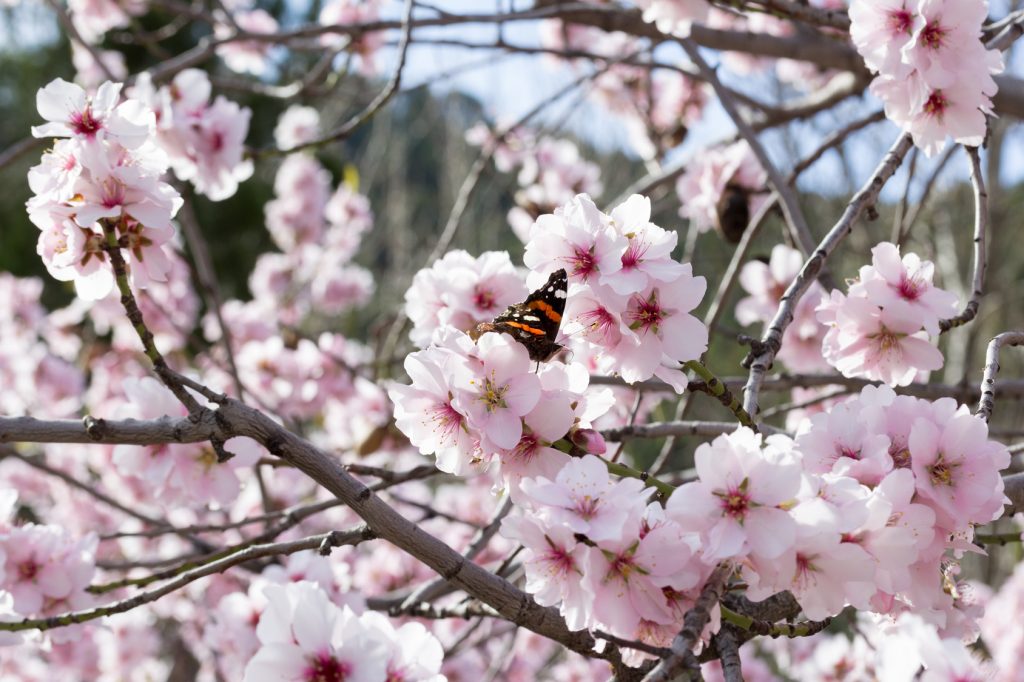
<point>633,579</point>
<point>585,499</point>
<point>886,345</point>
<point>46,570</point>
<point>554,563</point>
<point>890,278</point>
<point>935,76</point>
<point>736,502</point>
<point>304,636</point>
<point>72,113</point>
<point>495,390</point>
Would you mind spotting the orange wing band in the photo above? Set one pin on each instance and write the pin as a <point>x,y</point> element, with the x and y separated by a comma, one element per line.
<point>546,309</point>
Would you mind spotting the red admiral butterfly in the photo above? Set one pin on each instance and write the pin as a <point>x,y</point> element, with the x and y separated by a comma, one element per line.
<point>534,322</point>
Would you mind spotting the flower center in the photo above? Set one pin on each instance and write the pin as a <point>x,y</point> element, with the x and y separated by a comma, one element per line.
<point>326,668</point>
<point>113,193</point>
<point>941,473</point>
<point>483,299</point>
<point>900,454</point>
<point>587,506</point>
<point>646,314</point>
<point>526,449</point>
<point>446,420</point>
<point>635,252</point>
<point>558,559</point>
<point>912,286</point>
<point>83,123</point>
<point>888,342</point>
<point>735,503</point>
<point>936,105</point>
<point>493,396</point>
<point>582,263</point>
<point>900,21</point>
<point>846,451</point>
<point>599,325</point>
<point>27,570</point>
<point>934,36</point>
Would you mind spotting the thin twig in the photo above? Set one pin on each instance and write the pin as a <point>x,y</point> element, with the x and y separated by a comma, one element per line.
<point>988,380</point>
<point>374,106</point>
<point>321,542</point>
<point>970,310</point>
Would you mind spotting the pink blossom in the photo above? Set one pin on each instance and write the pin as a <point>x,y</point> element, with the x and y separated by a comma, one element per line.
<point>72,113</point>
<point>658,329</point>
<point>947,42</point>
<point>766,283</point>
<point>823,573</point>
<point>336,289</point>
<point>880,29</point>
<point>882,345</point>
<point>577,237</point>
<point>124,191</point>
<point>554,564</point>
<point>889,279</point>
<point>413,652</point>
<point>93,18</point>
<point>630,578</point>
<point>584,498</point>
<point>44,568</point>
<point>549,421</point>
<point>836,442</point>
<point>424,411</point>
<point>216,144</point>
<point>73,253</point>
<point>295,215</point>
<point>957,469</point>
<point>304,636</point>
<point>735,503</point>
<point>495,389</point>
<point>461,291</point>
<point>648,254</point>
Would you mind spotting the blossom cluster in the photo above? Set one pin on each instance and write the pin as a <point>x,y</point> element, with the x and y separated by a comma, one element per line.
<point>934,72</point>
<point>471,404</point>
<point>605,555</point>
<point>629,303</point>
<point>44,569</point>
<point>461,291</point>
<point>204,140</point>
<point>722,189</point>
<point>880,329</point>
<point>863,508</point>
<point>106,170</point>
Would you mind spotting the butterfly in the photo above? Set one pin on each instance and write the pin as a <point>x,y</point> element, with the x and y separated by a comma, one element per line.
<point>534,322</point>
